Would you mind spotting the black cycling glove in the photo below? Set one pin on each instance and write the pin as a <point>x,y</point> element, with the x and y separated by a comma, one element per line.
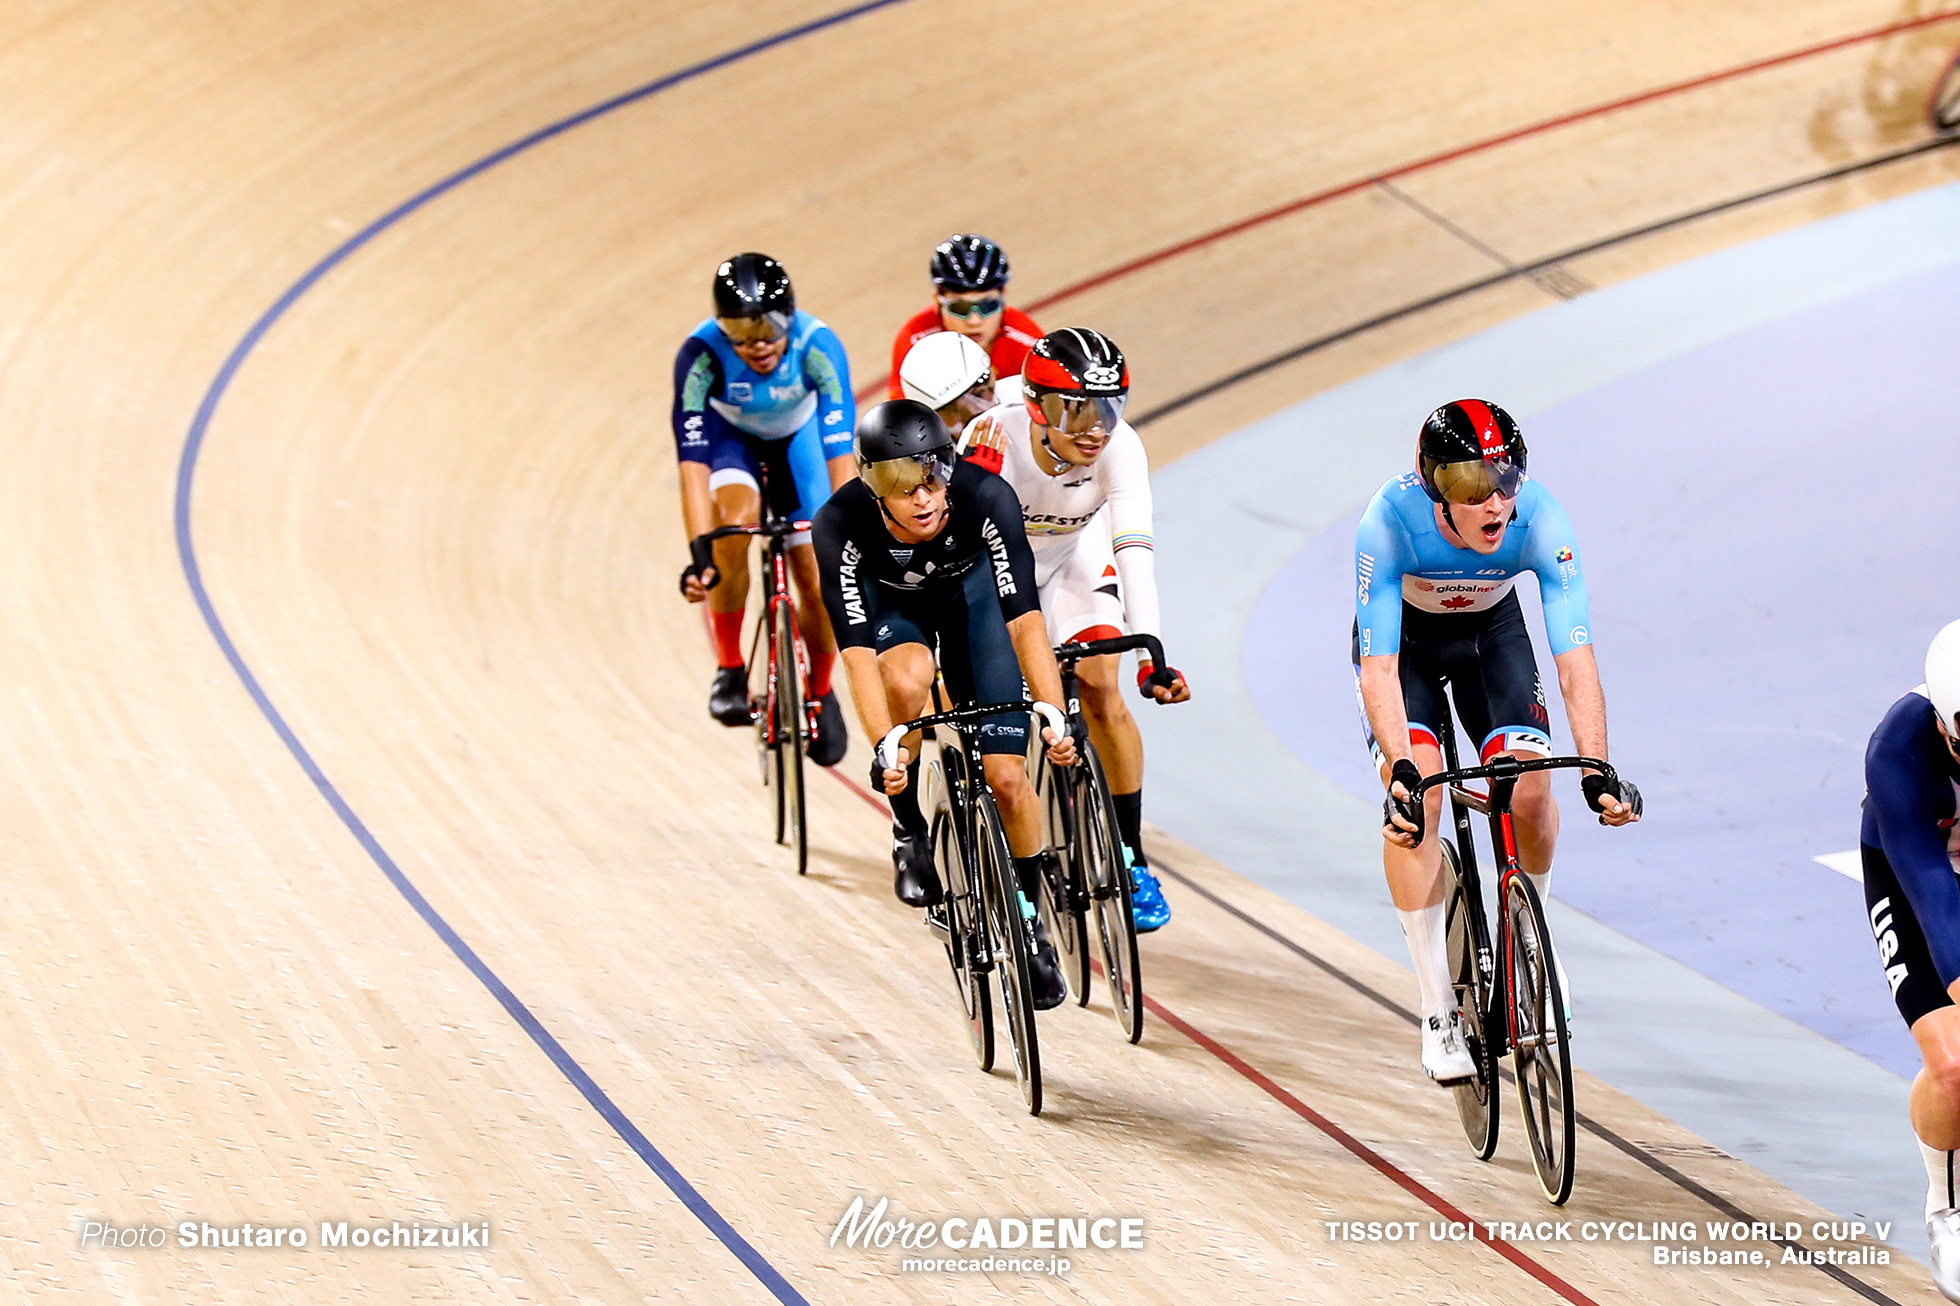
<point>702,553</point>
<point>1595,787</point>
<point>1404,773</point>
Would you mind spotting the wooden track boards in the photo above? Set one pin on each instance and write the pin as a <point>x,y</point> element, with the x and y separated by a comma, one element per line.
<point>435,511</point>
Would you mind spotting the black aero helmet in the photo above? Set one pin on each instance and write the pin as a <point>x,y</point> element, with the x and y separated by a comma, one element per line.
<point>1075,379</point>
<point>1469,450</point>
<point>750,285</point>
<point>901,444</point>
<point>963,263</point>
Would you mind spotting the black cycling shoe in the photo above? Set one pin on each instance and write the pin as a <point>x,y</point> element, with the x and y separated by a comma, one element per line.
<point>914,878</point>
<point>827,748</point>
<point>728,700</point>
<point>1045,971</point>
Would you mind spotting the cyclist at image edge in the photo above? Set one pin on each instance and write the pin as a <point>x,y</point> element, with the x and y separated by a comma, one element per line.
<point>1437,557</point>
<point>969,283</point>
<point>923,553</point>
<point>1910,846</point>
<point>761,391</point>
<point>1083,479</point>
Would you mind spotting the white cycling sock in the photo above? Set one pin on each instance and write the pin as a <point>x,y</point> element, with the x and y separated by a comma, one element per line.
<point>1423,928</point>
<point>1942,1182</point>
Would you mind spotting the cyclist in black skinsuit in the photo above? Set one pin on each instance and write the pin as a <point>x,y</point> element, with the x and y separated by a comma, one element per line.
<point>923,553</point>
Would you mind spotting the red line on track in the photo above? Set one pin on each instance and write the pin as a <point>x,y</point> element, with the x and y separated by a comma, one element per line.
<point>1434,1201</point>
<point>1305,202</point>
<point>1360,1149</point>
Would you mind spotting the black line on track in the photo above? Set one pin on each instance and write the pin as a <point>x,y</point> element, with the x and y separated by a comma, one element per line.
<point>1527,271</point>
<point>1627,1146</point>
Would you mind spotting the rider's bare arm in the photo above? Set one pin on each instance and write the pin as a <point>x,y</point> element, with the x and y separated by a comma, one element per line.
<point>1037,658</point>
<point>1585,710</point>
<point>697,505</point>
<point>867,691</point>
<point>843,470</point>
<point>1381,699</point>
<point>1585,702</point>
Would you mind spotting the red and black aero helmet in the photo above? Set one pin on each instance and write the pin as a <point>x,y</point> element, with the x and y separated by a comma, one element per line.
<point>1468,451</point>
<point>1076,379</point>
<point>966,263</point>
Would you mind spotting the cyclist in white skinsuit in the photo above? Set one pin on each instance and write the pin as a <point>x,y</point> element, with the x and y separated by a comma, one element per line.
<point>1083,479</point>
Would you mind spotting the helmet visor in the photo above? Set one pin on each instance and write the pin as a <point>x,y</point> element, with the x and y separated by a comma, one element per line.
<point>1076,414</point>
<point>965,407</point>
<point>901,476</point>
<point>1473,482</point>
<point>754,330</point>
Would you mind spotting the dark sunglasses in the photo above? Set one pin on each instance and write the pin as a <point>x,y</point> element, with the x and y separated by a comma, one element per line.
<point>964,309</point>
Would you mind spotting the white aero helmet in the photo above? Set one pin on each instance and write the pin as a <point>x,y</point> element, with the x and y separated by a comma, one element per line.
<point>942,367</point>
<point>1943,674</point>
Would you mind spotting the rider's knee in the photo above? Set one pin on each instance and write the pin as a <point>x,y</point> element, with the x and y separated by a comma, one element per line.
<point>1007,776</point>
<point>1532,801</point>
<point>1103,702</point>
<point>1943,1068</point>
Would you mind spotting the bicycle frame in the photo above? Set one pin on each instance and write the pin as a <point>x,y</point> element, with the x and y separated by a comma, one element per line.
<point>1502,774</point>
<point>775,585</point>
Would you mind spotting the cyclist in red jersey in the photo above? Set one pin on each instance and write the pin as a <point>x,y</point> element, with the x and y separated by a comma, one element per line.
<point>969,280</point>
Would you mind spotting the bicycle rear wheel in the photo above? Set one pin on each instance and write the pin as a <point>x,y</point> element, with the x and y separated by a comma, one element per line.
<point>963,933</point>
<point>1063,901</point>
<point>1008,934</point>
<point>789,731</point>
<point>1943,109</point>
<point>1476,1101</point>
<point>1108,880</point>
<point>1540,1050</point>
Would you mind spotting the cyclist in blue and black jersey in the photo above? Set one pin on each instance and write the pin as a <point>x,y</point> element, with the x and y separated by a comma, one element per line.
<point>762,395</point>
<point>1436,560</point>
<point>1910,846</point>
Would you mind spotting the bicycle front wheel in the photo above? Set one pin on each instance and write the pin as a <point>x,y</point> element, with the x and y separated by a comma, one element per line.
<point>789,731</point>
<point>1064,903</point>
<point>1476,1100</point>
<point>964,934</point>
<point>1540,1050</point>
<point>1009,935</point>
<point>1108,879</point>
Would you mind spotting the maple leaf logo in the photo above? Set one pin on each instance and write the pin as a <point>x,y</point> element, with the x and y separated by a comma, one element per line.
<point>1458,602</point>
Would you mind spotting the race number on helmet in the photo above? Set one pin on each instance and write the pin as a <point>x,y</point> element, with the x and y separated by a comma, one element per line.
<point>1469,450</point>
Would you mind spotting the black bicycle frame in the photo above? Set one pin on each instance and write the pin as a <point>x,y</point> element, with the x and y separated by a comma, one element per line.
<point>1502,773</point>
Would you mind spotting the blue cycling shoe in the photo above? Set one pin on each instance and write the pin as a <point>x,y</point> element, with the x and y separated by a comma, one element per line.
<point>1147,899</point>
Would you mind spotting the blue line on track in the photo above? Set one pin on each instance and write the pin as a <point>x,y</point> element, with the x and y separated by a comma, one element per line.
<point>187,555</point>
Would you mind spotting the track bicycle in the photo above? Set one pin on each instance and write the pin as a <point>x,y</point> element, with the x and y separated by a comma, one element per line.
<point>1090,872</point>
<point>784,721</point>
<point>1507,986</point>
<point>981,919</point>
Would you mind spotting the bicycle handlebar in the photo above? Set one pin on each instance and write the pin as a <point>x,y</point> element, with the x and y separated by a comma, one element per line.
<point>887,751</point>
<point>1511,768</point>
<point>775,526</point>
<point>1095,648</point>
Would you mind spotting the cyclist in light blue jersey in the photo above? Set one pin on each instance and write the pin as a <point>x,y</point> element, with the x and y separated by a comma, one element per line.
<point>762,397</point>
<point>1436,560</point>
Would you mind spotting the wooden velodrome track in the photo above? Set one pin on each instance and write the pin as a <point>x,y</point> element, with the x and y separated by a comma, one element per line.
<point>426,489</point>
